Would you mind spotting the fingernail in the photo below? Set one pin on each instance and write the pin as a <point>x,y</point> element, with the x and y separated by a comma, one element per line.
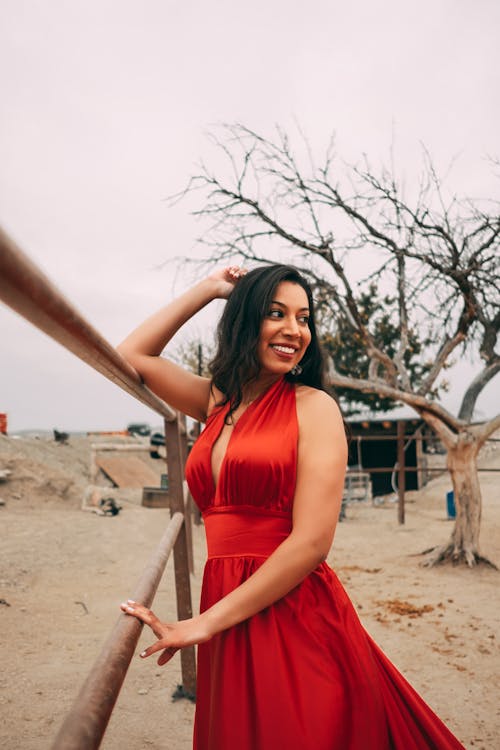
<point>143,654</point>
<point>123,604</point>
<point>130,609</point>
<point>130,601</point>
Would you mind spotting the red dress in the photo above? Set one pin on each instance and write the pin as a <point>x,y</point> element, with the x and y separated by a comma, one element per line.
<point>302,674</point>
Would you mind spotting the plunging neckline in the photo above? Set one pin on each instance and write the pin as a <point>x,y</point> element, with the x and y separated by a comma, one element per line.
<point>223,413</point>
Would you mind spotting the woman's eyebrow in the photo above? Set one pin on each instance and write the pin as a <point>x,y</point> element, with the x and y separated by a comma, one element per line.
<point>282,304</point>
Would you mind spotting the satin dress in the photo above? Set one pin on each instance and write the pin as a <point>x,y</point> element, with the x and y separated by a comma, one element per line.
<point>303,674</point>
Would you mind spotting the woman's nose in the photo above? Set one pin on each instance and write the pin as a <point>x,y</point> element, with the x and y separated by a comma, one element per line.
<point>291,326</point>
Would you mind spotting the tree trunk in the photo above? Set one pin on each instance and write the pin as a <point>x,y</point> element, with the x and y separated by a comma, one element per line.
<point>464,542</point>
<point>462,465</point>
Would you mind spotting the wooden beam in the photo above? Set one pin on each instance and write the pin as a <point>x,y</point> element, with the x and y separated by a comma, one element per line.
<point>401,472</point>
<point>181,555</point>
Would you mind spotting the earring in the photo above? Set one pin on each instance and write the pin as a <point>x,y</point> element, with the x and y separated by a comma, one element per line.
<point>296,370</point>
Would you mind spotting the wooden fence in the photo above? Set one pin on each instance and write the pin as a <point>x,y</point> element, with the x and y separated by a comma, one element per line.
<point>30,293</point>
<point>400,469</point>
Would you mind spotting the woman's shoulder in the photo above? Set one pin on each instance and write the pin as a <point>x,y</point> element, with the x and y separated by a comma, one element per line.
<point>310,396</point>
<point>319,419</point>
<point>316,403</point>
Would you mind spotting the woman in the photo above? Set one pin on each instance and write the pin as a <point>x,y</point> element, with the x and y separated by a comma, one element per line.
<point>283,661</point>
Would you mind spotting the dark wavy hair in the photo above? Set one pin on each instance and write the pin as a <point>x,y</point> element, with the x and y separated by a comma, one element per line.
<point>236,363</point>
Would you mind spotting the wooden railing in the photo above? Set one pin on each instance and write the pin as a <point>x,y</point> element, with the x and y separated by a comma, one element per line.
<point>86,722</point>
<point>26,289</point>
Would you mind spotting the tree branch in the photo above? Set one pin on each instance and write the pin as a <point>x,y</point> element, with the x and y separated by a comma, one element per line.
<point>483,431</point>
<point>443,432</point>
<point>471,394</point>
<point>419,403</point>
<point>446,348</point>
<point>403,323</point>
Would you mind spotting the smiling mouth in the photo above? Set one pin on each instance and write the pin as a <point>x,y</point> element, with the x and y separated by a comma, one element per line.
<point>283,349</point>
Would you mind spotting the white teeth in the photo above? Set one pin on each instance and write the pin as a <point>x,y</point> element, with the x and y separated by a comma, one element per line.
<point>284,349</point>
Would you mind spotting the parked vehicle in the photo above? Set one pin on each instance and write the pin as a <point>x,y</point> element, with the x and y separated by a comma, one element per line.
<point>139,428</point>
<point>157,439</point>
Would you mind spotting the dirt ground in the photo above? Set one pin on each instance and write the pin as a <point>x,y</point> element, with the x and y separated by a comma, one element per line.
<point>64,573</point>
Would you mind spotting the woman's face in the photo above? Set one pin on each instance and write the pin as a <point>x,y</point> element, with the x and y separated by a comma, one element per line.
<point>284,332</point>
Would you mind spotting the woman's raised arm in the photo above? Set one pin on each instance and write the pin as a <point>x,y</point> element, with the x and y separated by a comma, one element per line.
<point>180,388</point>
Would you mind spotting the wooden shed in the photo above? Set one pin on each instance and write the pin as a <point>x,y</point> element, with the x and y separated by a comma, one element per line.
<point>373,449</point>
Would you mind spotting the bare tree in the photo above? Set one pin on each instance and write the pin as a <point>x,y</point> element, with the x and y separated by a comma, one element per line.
<point>194,355</point>
<point>350,227</point>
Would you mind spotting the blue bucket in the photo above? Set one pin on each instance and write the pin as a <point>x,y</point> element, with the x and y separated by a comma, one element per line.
<point>450,504</point>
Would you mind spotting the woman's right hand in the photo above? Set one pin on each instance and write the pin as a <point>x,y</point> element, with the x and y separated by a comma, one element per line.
<point>226,279</point>
<point>171,635</point>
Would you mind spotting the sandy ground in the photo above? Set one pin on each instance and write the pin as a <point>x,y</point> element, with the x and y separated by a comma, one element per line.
<point>64,573</point>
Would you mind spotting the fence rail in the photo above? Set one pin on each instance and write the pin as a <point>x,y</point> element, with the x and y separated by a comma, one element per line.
<point>86,722</point>
<point>27,290</point>
<point>408,469</point>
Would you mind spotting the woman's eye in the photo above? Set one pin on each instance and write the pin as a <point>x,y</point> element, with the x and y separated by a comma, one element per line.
<point>275,314</point>
<point>304,319</point>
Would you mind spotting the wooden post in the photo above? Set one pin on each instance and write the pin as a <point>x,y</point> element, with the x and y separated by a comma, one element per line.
<point>93,465</point>
<point>181,555</point>
<point>401,472</point>
<point>188,503</point>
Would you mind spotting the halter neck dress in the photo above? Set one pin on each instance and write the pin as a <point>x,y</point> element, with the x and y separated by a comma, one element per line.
<point>302,674</point>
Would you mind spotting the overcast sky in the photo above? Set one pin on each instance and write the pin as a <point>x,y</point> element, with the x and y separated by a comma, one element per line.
<point>104,112</point>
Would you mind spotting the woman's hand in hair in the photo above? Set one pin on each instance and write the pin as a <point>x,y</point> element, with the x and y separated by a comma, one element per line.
<point>226,279</point>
